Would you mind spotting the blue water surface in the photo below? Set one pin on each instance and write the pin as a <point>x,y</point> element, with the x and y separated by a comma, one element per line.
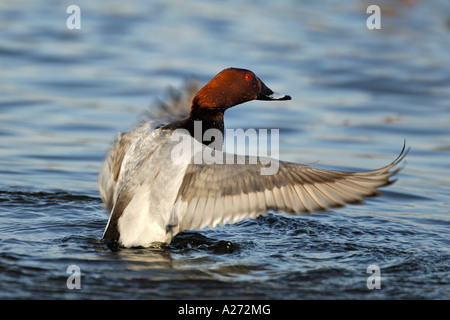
<point>358,94</point>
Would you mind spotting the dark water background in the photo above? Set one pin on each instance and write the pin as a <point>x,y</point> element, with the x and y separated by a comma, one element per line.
<point>357,94</point>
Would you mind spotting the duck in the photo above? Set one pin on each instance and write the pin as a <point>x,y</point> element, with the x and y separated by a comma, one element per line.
<point>151,195</point>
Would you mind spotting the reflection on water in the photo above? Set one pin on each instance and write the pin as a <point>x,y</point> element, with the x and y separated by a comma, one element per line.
<point>357,95</point>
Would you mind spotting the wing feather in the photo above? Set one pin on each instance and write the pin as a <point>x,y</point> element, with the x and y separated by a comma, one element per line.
<point>227,193</point>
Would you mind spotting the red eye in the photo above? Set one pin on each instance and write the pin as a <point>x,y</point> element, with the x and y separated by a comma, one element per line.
<point>248,77</point>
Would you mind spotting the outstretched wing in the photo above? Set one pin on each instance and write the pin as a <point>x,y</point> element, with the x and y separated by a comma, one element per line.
<point>227,193</point>
<point>176,105</point>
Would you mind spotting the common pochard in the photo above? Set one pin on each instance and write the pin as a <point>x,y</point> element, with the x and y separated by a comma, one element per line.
<point>153,195</point>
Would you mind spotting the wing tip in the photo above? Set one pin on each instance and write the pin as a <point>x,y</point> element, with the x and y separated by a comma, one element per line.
<point>402,154</point>
<point>399,163</point>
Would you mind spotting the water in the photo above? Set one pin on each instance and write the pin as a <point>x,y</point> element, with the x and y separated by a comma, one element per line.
<point>357,95</point>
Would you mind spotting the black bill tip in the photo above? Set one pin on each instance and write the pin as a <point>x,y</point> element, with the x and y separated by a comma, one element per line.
<point>268,94</point>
